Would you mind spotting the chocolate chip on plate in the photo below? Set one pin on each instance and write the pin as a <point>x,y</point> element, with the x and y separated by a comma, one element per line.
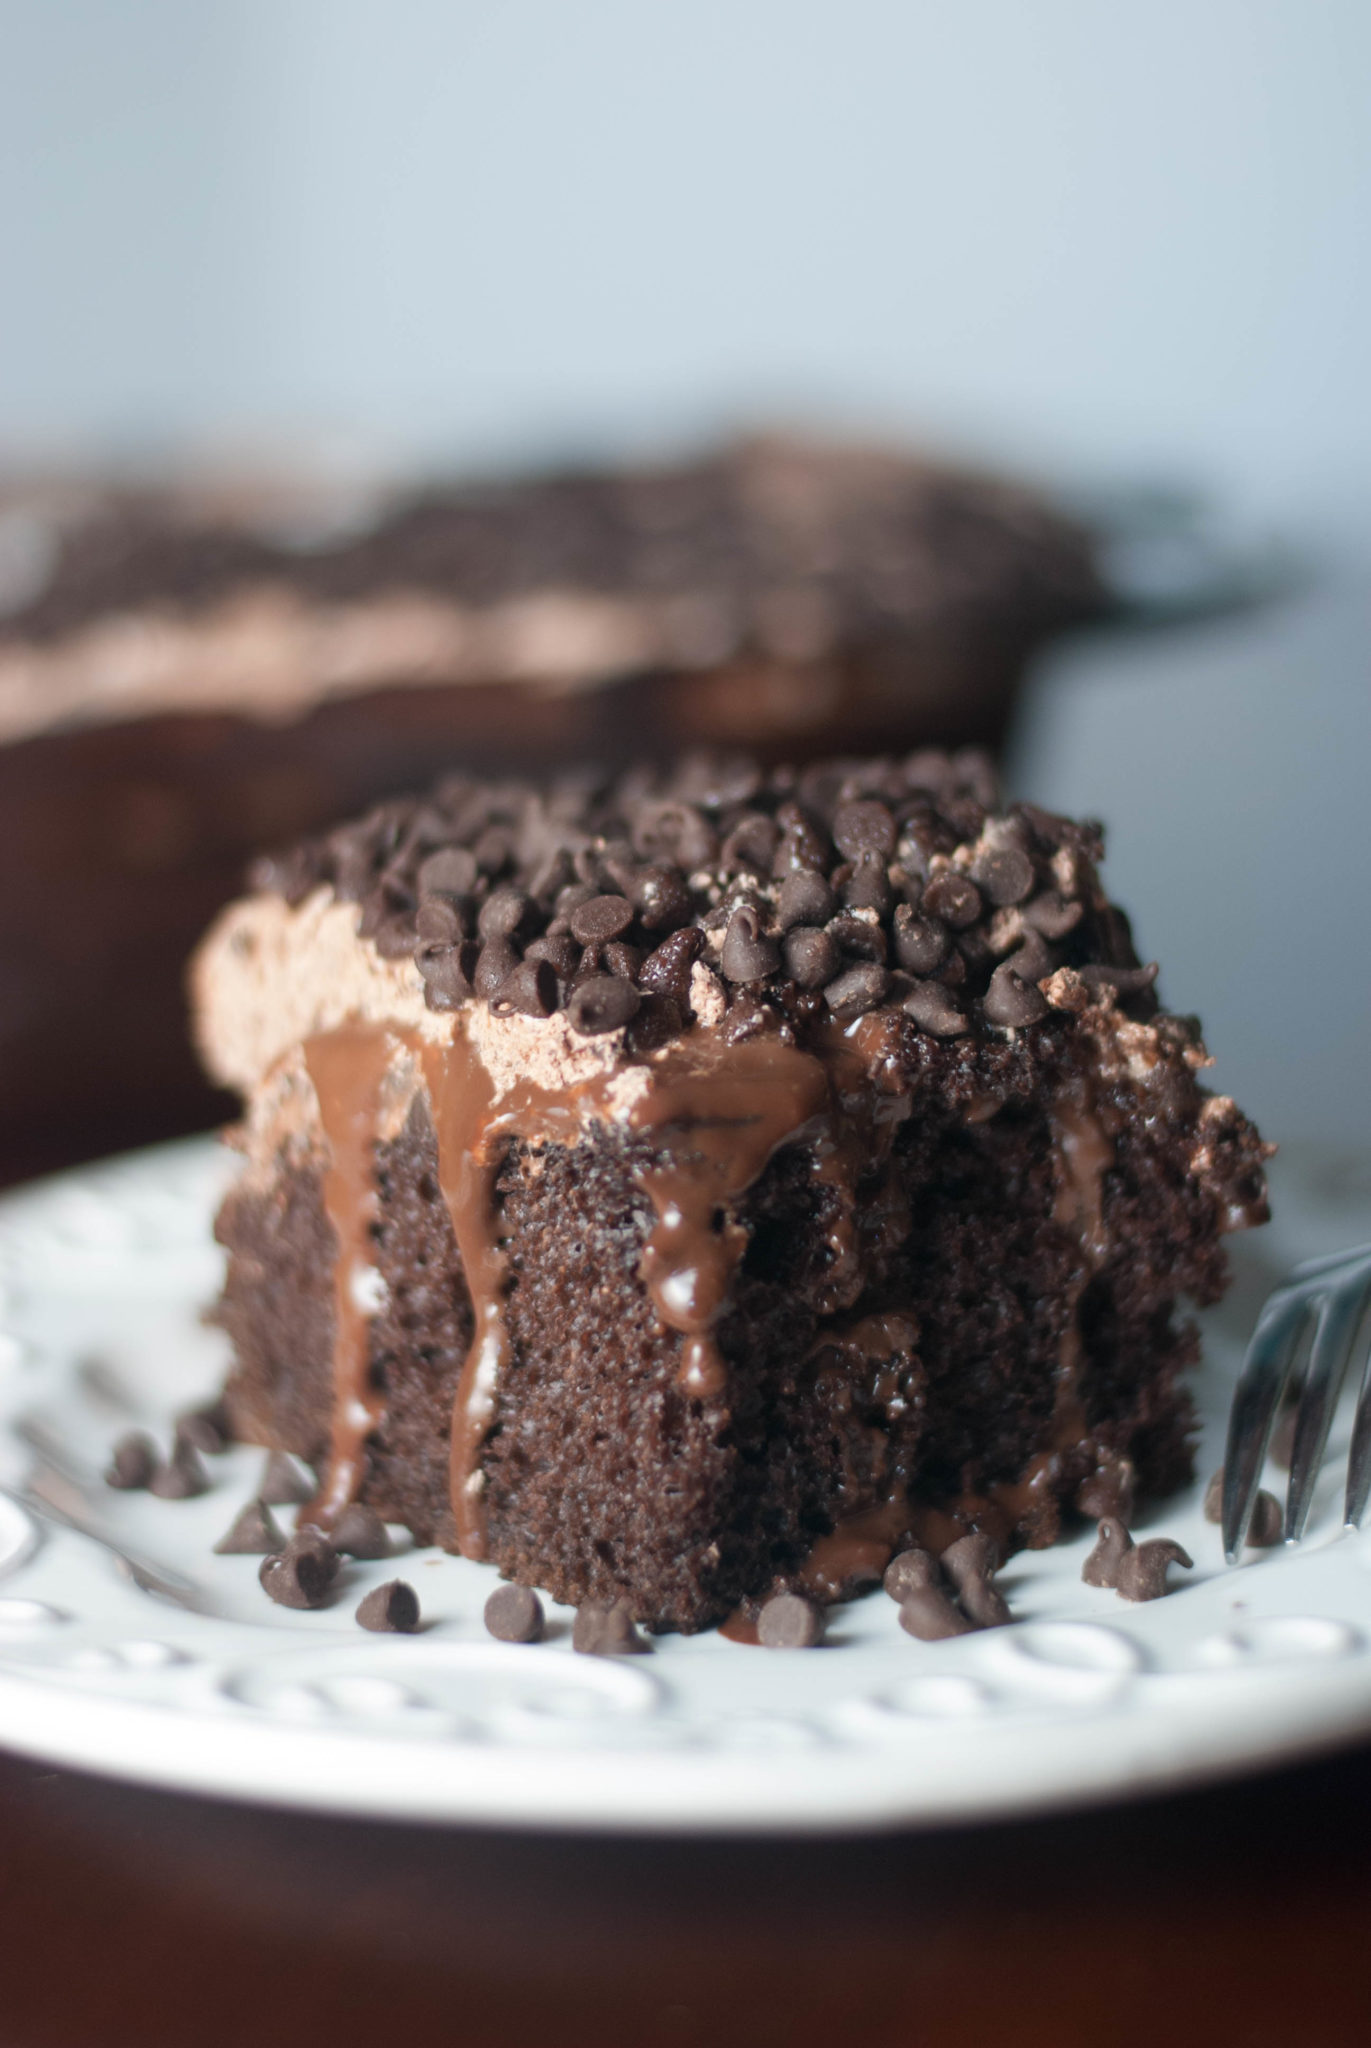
<point>392,1609</point>
<point>133,1462</point>
<point>603,1631</point>
<point>207,1428</point>
<point>301,1574</point>
<point>1142,1572</point>
<point>255,1533</point>
<point>1267,1522</point>
<point>183,1476</point>
<point>360,1532</point>
<point>912,1572</point>
<point>283,1484</point>
<point>514,1614</point>
<point>1112,1545</point>
<point>931,1616</point>
<point>790,1622</point>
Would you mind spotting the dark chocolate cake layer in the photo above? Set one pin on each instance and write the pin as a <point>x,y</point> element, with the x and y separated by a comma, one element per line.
<point>188,676</point>
<point>785,1164</point>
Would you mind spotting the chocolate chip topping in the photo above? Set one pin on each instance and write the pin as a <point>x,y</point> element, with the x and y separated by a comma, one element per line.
<point>255,1533</point>
<point>133,1462</point>
<point>514,1614</point>
<point>790,1622</point>
<point>360,1532</point>
<point>1112,1545</point>
<point>207,1428</point>
<point>1109,1490</point>
<point>606,1631</point>
<point>846,878</point>
<point>183,1476</point>
<point>392,1609</point>
<point>1142,1571</point>
<point>301,1574</point>
<point>283,1484</point>
<point>1268,1521</point>
<point>931,1616</point>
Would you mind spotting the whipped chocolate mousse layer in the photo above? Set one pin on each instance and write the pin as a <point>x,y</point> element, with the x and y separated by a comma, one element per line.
<point>681,1188</point>
<point>188,675</point>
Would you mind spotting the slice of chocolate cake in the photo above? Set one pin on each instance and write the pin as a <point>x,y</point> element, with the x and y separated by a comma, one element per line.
<point>693,1185</point>
<point>186,676</point>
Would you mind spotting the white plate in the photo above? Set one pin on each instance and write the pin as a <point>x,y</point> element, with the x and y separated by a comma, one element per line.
<point>102,1275</point>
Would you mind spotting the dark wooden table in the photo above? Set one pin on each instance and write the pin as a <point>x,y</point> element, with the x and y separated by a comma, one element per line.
<point>1233,1918</point>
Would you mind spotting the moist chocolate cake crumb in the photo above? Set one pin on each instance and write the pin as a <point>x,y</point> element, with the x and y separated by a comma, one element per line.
<point>790,1622</point>
<point>182,1476</point>
<point>514,1614</point>
<point>133,1462</point>
<point>831,1207</point>
<point>932,1617</point>
<point>392,1609</point>
<point>1142,1570</point>
<point>255,1533</point>
<point>600,1631</point>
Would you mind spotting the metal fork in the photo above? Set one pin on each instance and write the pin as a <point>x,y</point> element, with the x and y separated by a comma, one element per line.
<point>1319,1313</point>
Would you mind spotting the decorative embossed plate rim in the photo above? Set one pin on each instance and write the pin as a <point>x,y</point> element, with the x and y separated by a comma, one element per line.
<point>102,1274</point>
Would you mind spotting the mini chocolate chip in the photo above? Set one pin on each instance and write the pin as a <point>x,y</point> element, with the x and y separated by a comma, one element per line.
<point>920,942</point>
<point>496,962</point>
<point>451,872</point>
<point>911,1572</point>
<point>395,938</point>
<point>1112,1546</point>
<point>622,959</point>
<point>747,955</point>
<point>562,954</point>
<point>868,886</point>
<point>1109,1490</point>
<point>601,919</point>
<point>661,898</point>
<point>1142,1571</point>
<point>183,1476</point>
<point>1012,1002</point>
<point>673,832</point>
<point>857,990</point>
<point>954,898</point>
<point>1129,981</point>
<point>666,971</point>
<point>750,845</point>
<point>973,1556</point>
<point>863,827</point>
<point>931,1616</point>
<point>360,1532</point>
<point>392,1609</point>
<point>255,1533</point>
<point>283,1484</point>
<point>1268,1520</point>
<point>449,973</point>
<point>932,1009</point>
<point>811,957</point>
<point>602,1631</point>
<point>133,1462</point>
<point>983,1603</point>
<point>438,922</point>
<point>208,1428</point>
<point>602,1003</point>
<point>301,1574</point>
<point>530,990</point>
<point>1033,961</point>
<point>502,914</point>
<point>493,849</point>
<point>1052,915</point>
<point>804,898</point>
<point>1004,874</point>
<point>790,1622</point>
<point>859,937</point>
<point>514,1614</point>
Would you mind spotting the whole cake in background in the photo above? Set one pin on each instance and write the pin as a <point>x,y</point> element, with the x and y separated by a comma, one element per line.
<point>682,1186</point>
<point>187,676</point>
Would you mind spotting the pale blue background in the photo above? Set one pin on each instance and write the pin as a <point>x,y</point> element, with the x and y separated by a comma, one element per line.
<point>1106,241</point>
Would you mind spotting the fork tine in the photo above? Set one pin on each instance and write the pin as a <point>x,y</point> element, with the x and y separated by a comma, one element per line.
<point>1359,1457</point>
<point>1265,1370</point>
<point>1339,1318</point>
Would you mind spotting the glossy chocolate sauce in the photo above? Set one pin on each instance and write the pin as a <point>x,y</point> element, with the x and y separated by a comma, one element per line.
<point>348,1068</point>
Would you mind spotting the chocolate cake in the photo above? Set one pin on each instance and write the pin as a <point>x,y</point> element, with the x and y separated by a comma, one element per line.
<point>687,1186</point>
<point>187,676</point>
